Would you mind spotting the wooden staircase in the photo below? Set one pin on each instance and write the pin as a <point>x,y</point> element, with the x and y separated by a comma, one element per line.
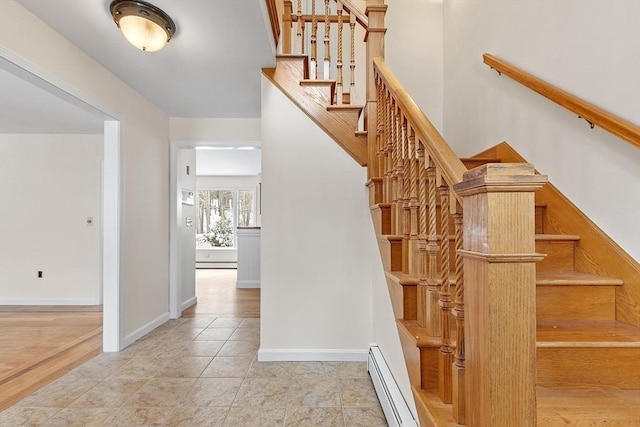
<point>584,356</point>
<point>581,299</point>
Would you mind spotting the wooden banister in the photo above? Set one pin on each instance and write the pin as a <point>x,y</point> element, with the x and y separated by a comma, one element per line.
<point>361,18</point>
<point>446,160</point>
<point>596,116</point>
<point>273,19</point>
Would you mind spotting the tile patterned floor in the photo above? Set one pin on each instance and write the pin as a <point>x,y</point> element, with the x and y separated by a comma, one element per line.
<point>202,372</point>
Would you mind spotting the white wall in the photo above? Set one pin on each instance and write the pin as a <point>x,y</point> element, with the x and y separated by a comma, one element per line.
<point>210,129</point>
<point>187,213</point>
<point>316,285</point>
<point>414,52</point>
<point>144,153</point>
<point>49,186</point>
<point>589,48</point>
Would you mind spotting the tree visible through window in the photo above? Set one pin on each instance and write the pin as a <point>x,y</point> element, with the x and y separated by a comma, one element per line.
<point>217,214</point>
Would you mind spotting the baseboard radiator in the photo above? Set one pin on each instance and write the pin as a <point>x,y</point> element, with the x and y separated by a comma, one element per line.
<point>393,404</point>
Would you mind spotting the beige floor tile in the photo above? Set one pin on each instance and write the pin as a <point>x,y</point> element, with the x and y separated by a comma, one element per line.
<point>246,334</point>
<point>162,392</point>
<point>250,323</point>
<point>197,322</point>
<point>78,417</point>
<point>19,416</point>
<point>315,368</point>
<point>228,367</point>
<point>130,417</point>
<point>352,370</point>
<point>111,393</point>
<point>215,334</point>
<point>358,392</point>
<point>364,417</point>
<point>314,391</point>
<point>263,392</point>
<point>239,348</point>
<point>262,417</point>
<point>314,417</point>
<point>167,349</point>
<point>57,394</point>
<point>202,348</point>
<point>270,369</point>
<point>185,367</point>
<point>140,367</point>
<point>213,392</point>
<point>226,322</point>
<point>181,335</point>
<point>199,417</point>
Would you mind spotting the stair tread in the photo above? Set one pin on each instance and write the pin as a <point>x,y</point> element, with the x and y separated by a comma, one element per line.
<point>574,278</point>
<point>566,406</point>
<point>344,107</point>
<point>380,206</point>
<point>586,333</point>
<point>420,334</point>
<point>557,237</point>
<point>402,278</point>
<point>316,82</point>
<point>390,237</point>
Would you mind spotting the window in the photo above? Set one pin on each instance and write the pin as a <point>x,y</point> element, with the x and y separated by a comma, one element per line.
<point>220,211</point>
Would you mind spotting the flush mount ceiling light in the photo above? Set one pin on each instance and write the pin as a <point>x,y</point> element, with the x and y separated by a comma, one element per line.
<point>144,25</point>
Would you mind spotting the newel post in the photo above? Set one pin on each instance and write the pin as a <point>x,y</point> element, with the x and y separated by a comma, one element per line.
<point>375,11</point>
<point>500,296</point>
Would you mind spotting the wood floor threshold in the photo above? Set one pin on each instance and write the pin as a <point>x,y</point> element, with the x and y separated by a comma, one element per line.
<point>22,369</point>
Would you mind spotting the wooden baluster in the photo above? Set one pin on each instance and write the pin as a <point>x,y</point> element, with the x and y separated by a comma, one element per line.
<point>406,196</point>
<point>378,171</point>
<point>446,352</point>
<point>339,89</point>
<point>434,324</point>
<point>327,32</point>
<point>458,368</point>
<point>414,205</point>
<point>397,209</point>
<point>286,27</point>
<point>393,176</point>
<point>386,150</point>
<point>299,48</point>
<point>403,203</point>
<point>313,69</point>
<point>423,292</point>
<point>352,61</point>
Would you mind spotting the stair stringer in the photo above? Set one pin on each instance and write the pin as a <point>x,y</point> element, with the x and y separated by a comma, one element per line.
<point>596,253</point>
<point>341,125</point>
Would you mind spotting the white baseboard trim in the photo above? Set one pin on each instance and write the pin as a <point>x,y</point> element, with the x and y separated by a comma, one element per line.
<point>144,330</point>
<point>49,301</point>
<point>188,303</point>
<point>393,403</point>
<point>316,355</point>
<point>248,284</point>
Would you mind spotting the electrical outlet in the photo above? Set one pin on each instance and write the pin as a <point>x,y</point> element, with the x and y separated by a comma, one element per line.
<point>39,274</point>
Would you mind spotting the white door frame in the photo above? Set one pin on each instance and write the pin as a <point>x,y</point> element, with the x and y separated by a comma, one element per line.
<point>112,230</point>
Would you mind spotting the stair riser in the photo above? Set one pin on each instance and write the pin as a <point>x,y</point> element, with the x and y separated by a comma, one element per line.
<point>540,213</point>
<point>381,220</point>
<point>589,367</point>
<point>560,255</point>
<point>575,302</point>
<point>403,300</point>
<point>391,252</point>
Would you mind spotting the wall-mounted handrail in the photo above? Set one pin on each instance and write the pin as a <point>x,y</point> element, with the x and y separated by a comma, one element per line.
<point>596,116</point>
<point>447,161</point>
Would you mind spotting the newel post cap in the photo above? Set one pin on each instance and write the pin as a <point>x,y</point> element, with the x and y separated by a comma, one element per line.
<point>499,178</point>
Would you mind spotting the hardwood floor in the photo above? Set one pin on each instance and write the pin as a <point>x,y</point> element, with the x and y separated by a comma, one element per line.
<point>39,344</point>
<point>218,296</point>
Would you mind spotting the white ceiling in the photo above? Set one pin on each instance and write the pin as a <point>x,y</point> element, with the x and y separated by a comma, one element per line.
<point>211,68</point>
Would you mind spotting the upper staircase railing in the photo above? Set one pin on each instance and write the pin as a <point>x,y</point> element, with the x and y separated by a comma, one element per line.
<point>595,116</point>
